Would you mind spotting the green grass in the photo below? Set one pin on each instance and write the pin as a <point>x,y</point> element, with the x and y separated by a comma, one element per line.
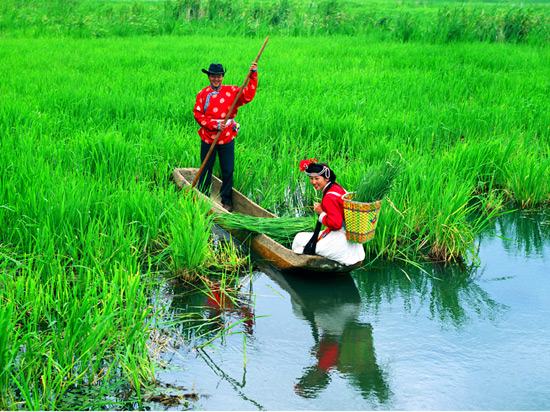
<point>430,21</point>
<point>70,333</point>
<point>460,115</point>
<point>84,220</point>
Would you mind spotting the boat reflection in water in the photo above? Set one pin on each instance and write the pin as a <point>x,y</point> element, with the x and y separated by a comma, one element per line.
<point>343,344</point>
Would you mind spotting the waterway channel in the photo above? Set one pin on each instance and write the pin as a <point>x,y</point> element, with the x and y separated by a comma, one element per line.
<point>386,338</point>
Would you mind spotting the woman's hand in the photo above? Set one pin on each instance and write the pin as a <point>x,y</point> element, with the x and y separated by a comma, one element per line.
<point>317,208</point>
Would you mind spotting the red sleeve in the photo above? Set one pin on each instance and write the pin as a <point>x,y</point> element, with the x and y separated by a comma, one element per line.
<point>248,93</point>
<point>333,206</point>
<point>203,120</point>
<point>250,90</point>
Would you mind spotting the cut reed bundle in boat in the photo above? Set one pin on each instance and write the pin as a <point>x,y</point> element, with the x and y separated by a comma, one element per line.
<point>282,229</point>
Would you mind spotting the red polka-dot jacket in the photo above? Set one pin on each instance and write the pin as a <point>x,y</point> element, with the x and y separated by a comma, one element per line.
<point>212,106</point>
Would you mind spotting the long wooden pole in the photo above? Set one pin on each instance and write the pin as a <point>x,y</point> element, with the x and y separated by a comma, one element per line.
<point>227,117</point>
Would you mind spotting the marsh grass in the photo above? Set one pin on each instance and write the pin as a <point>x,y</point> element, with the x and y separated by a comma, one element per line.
<point>67,334</point>
<point>79,236</point>
<point>119,136</point>
<point>229,258</point>
<point>404,22</point>
<point>529,183</point>
<point>189,236</point>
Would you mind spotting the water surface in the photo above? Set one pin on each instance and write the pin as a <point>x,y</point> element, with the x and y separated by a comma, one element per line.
<point>387,338</point>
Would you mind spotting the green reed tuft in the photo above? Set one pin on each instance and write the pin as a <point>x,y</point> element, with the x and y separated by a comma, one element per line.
<point>189,235</point>
<point>377,183</point>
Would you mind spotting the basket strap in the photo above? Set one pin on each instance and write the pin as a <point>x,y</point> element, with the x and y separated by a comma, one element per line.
<point>309,248</point>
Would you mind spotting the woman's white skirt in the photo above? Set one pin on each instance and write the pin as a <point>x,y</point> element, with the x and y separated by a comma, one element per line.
<point>334,246</point>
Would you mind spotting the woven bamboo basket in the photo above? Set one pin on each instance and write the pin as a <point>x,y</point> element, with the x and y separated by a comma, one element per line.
<point>360,218</point>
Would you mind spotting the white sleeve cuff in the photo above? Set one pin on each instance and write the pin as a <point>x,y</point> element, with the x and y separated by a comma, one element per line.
<point>321,216</point>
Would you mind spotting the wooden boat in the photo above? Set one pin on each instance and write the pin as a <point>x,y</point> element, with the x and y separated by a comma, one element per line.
<point>269,250</point>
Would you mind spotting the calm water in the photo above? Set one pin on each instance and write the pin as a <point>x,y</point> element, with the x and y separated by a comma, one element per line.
<point>374,340</point>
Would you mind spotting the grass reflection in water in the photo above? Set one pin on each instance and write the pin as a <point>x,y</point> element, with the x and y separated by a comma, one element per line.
<point>451,293</point>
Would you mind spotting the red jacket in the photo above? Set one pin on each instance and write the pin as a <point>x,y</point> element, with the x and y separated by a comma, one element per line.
<point>333,209</point>
<point>212,106</point>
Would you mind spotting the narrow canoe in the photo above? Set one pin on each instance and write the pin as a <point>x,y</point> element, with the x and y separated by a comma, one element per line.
<point>269,250</point>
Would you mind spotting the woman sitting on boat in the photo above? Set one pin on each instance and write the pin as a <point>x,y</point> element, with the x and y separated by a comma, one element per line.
<point>332,242</point>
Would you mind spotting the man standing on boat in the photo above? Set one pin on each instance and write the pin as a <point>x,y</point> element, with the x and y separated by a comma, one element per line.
<point>211,108</point>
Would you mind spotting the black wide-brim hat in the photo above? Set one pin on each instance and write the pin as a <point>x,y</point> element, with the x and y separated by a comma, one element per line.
<point>215,68</point>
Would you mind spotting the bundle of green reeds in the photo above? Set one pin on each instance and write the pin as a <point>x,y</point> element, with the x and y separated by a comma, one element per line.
<point>377,183</point>
<point>282,229</point>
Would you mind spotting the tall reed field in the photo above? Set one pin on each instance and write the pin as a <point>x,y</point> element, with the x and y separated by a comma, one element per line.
<point>432,21</point>
<point>88,222</point>
<point>80,253</point>
<point>96,112</point>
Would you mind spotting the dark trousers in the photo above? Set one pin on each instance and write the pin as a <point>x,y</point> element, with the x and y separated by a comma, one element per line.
<point>226,154</point>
